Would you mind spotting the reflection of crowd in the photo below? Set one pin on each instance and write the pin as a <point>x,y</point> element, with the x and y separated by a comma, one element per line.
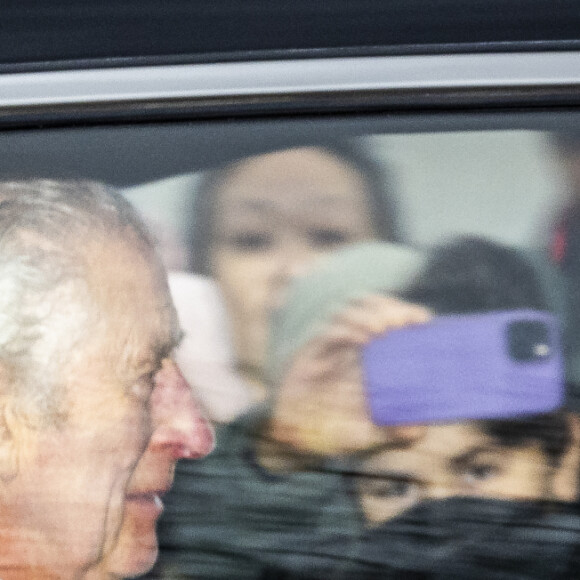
<point>283,502</point>
<point>285,507</point>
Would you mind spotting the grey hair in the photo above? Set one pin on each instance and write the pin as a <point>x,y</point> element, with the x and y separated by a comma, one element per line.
<point>45,302</point>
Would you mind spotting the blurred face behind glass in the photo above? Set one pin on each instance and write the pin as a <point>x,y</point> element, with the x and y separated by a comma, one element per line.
<point>64,504</point>
<point>450,460</point>
<point>276,214</point>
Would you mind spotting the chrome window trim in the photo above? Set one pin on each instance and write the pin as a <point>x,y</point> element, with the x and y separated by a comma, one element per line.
<point>294,77</point>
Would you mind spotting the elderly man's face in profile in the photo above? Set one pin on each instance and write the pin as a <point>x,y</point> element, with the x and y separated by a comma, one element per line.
<point>180,431</point>
<point>64,496</point>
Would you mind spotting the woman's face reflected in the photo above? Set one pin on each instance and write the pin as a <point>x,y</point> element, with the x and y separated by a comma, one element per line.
<point>276,214</point>
<point>450,460</point>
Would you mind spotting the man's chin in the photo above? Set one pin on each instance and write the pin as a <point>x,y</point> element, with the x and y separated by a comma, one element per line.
<point>141,563</point>
<point>137,547</point>
<point>136,560</point>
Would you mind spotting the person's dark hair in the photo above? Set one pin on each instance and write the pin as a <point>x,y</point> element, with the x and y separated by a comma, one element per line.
<point>381,201</point>
<point>476,275</point>
<point>550,430</point>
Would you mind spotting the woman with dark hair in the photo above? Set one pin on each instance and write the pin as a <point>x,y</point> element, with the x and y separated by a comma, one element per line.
<point>262,220</point>
<point>381,203</point>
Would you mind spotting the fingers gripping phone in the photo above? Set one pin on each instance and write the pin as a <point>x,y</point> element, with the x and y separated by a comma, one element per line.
<point>478,366</point>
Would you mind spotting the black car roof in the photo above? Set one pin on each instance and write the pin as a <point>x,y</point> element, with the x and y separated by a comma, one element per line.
<point>65,33</point>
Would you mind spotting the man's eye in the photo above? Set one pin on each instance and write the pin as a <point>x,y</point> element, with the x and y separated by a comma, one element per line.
<point>327,237</point>
<point>251,241</point>
<point>143,387</point>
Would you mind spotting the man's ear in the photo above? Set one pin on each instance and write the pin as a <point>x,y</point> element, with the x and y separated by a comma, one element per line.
<point>16,429</point>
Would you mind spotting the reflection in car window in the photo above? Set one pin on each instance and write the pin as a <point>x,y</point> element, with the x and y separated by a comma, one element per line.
<point>270,237</point>
<point>277,471</point>
<point>382,326</point>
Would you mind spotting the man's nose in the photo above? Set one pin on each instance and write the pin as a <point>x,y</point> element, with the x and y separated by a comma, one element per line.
<point>179,422</point>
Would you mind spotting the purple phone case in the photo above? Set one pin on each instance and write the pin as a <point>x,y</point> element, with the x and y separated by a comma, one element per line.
<point>458,367</point>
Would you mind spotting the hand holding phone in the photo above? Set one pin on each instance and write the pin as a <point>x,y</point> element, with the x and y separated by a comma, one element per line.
<point>321,406</point>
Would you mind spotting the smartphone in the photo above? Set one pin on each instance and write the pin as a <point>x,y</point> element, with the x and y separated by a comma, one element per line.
<point>497,364</point>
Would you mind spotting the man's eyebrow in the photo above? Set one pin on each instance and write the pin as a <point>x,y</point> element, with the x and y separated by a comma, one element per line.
<point>164,349</point>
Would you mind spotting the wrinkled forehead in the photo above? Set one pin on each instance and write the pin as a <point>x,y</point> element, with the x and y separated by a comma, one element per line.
<point>129,287</point>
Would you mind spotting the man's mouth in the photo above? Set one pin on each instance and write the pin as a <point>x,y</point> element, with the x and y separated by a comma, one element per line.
<point>147,501</point>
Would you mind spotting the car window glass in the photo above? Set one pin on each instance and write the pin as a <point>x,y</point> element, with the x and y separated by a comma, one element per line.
<point>380,317</point>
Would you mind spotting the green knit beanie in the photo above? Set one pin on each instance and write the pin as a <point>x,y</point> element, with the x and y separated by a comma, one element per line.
<point>312,300</point>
